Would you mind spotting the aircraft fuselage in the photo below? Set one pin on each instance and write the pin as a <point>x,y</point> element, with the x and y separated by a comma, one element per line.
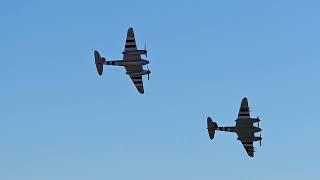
<point>238,129</point>
<point>247,129</point>
<point>134,52</point>
<point>138,62</point>
<point>251,120</point>
<point>144,72</point>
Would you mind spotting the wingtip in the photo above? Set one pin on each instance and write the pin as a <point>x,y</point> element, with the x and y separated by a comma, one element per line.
<point>209,120</point>
<point>130,32</point>
<point>96,53</point>
<point>244,100</point>
<point>251,154</point>
<point>141,91</point>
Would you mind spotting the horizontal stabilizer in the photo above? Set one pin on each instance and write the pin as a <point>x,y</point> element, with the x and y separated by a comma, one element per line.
<point>212,126</point>
<point>99,62</point>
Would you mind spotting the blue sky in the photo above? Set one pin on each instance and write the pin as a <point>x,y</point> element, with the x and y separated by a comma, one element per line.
<point>59,120</point>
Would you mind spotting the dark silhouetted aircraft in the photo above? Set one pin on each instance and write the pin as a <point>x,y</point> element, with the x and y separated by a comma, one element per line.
<point>244,128</point>
<point>132,61</point>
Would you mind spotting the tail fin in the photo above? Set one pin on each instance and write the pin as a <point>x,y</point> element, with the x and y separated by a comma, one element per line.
<point>212,126</point>
<point>99,62</point>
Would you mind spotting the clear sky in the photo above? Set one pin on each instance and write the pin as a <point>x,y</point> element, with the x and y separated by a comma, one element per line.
<point>59,120</point>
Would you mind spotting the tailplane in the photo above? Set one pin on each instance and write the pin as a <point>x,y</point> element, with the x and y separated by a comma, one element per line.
<point>211,126</point>
<point>99,62</point>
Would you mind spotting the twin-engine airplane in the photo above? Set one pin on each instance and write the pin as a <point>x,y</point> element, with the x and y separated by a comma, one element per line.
<point>244,128</point>
<point>132,61</point>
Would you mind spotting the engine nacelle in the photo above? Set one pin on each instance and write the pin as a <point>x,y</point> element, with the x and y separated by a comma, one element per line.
<point>255,120</point>
<point>257,138</point>
<point>134,52</point>
<point>248,140</point>
<point>141,73</point>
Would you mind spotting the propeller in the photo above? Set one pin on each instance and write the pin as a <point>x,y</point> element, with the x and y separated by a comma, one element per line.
<point>148,73</point>
<point>145,48</point>
<point>260,139</point>
<point>258,121</point>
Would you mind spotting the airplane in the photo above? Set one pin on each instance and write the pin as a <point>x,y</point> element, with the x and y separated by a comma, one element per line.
<point>132,61</point>
<point>244,128</point>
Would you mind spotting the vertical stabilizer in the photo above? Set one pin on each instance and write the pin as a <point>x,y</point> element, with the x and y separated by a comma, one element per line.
<point>99,62</point>
<point>211,126</point>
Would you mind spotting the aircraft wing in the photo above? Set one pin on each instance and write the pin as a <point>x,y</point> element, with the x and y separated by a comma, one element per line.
<point>247,142</point>
<point>244,111</point>
<point>244,115</point>
<point>129,46</point>
<point>137,81</point>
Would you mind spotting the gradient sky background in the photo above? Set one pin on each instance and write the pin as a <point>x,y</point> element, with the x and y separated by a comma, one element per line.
<point>59,120</point>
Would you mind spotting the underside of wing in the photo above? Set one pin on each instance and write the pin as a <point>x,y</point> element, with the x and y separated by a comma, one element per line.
<point>137,81</point>
<point>248,146</point>
<point>244,111</point>
<point>130,46</point>
<point>247,142</point>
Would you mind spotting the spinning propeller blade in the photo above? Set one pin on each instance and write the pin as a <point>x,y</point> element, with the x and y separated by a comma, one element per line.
<point>145,48</point>
<point>148,73</point>
<point>260,139</point>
